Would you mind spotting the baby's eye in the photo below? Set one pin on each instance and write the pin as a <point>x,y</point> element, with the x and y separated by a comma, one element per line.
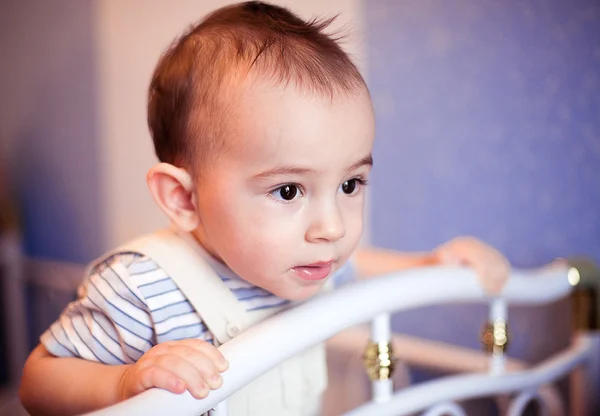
<point>348,187</point>
<point>351,186</point>
<point>287,192</point>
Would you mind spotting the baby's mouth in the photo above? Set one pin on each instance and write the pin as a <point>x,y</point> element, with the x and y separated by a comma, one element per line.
<point>314,271</point>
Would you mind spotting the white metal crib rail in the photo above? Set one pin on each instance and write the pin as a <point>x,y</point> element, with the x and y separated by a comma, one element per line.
<point>275,340</point>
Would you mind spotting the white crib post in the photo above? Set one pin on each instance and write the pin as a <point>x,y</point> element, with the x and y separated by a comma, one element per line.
<point>519,404</point>
<point>379,359</point>
<point>584,276</point>
<point>445,409</point>
<point>219,410</point>
<point>495,336</point>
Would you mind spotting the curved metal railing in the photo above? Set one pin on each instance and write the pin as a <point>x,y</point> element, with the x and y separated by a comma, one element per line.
<point>275,340</point>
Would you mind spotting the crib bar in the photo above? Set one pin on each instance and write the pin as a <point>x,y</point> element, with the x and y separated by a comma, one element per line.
<point>445,409</point>
<point>381,328</point>
<point>382,389</point>
<point>498,310</point>
<point>219,410</point>
<point>497,364</point>
<point>465,386</point>
<point>498,317</point>
<point>519,404</point>
<point>250,355</point>
<point>585,381</point>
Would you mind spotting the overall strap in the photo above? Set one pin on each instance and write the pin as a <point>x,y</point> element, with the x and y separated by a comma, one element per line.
<point>198,281</point>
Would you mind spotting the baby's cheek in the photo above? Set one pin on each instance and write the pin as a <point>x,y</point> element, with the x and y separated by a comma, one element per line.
<point>270,253</point>
<point>260,251</point>
<point>270,241</point>
<point>352,238</point>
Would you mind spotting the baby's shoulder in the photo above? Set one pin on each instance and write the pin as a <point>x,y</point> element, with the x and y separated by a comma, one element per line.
<point>135,270</point>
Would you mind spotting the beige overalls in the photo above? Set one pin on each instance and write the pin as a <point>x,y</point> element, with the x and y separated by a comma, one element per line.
<point>294,388</point>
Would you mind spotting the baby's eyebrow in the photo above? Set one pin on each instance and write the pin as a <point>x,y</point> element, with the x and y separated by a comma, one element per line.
<point>296,170</point>
<point>365,161</point>
<point>282,170</point>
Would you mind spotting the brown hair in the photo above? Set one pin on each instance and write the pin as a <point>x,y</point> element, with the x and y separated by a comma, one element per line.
<point>187,95</point>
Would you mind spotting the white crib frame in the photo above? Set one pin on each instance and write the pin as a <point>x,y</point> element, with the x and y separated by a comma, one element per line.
<point>262,347</point>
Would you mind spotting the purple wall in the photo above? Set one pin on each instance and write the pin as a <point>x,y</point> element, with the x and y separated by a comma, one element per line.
<point>48,114</point>
<point>488,118</point>
<point>488,124</point>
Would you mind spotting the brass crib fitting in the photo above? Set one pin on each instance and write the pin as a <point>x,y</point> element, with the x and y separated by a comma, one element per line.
<point>494,337</point>
<point>378,360</point>
<point>584,276</point>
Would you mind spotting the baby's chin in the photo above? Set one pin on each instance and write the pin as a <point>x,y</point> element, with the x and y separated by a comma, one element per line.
<point>296,292</point>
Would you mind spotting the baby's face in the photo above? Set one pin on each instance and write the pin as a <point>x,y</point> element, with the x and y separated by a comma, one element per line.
<point>283,206</point>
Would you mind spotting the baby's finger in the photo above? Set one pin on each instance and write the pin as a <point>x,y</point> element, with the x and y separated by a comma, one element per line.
<point>186,371</point>
<point>202,363</point>
<point>494,284</point>
<point>493,276</point>
<point>500,272</point>
<point>484,278</point>
<point>209,350</point>
<point>491,267</point>
<point>159,377</point>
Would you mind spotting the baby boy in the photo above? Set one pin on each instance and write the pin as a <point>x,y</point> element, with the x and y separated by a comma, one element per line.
<point>264,130</point>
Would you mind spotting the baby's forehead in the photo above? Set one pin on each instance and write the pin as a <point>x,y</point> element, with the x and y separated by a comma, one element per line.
<point>279,119</point>
<point>262,100</point>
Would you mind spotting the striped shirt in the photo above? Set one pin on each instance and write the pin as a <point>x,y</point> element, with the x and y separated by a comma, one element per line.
<point>128,304</point>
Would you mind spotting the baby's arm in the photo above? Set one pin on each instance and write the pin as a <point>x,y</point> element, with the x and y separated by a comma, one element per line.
<point>67,386</point>
<point>103,348</point>
<point>491,266</point>
<point>71,386</point>
<point>371,262</point>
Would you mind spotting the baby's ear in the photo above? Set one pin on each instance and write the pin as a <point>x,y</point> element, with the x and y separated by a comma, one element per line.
<point>174,192</point>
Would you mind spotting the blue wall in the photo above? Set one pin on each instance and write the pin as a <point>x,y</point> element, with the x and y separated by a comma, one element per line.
<point>54,162</point>
<point>488,118</point>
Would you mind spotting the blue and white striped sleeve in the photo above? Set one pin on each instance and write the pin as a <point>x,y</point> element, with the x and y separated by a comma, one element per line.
<point>110,322</point>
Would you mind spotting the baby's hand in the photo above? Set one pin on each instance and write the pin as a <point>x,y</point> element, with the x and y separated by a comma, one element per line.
<point>492,268</point>
<point>176,366</point>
